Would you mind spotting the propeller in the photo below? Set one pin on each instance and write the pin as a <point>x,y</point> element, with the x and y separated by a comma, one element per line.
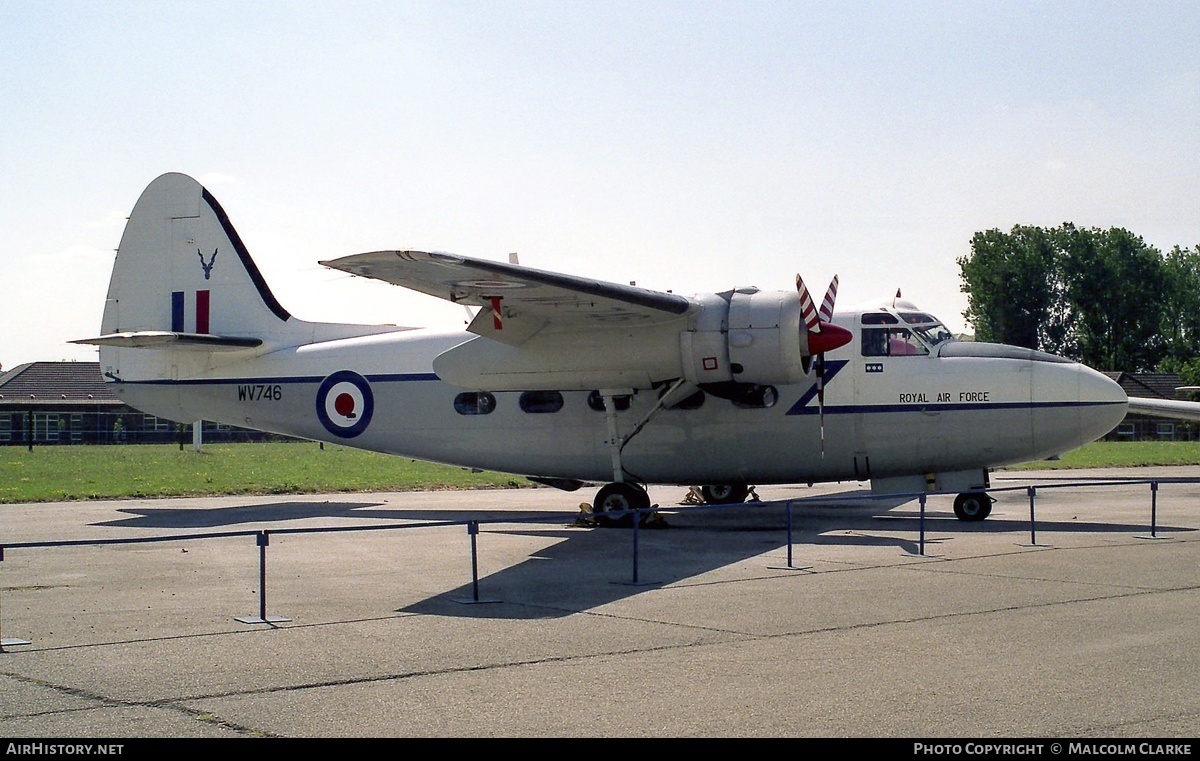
<point>823,336</point>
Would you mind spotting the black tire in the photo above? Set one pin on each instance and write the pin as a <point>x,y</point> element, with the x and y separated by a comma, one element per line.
<point>619,497</point>
<point>724,494</point>
<point>972,506</point>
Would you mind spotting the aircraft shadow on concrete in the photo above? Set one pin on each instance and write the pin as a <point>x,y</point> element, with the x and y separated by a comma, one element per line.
<point>590,569</point>
<point>254,516</point>
<point>251,516</point>
<point>586,567</point>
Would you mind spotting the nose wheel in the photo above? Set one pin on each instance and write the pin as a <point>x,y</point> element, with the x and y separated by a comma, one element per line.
<point>973,506</point>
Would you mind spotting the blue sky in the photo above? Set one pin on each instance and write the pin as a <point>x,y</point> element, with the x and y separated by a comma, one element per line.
<point>691,146</point>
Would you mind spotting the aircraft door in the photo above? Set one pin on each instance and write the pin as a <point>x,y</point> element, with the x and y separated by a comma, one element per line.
<point>897,420</point>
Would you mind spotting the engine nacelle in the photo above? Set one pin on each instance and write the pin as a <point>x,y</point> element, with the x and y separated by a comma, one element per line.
<point>747,336</point>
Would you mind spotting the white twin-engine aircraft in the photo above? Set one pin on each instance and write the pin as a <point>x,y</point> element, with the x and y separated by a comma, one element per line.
<point>568,380</point>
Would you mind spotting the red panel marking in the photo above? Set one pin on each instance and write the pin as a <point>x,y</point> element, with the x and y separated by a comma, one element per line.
<point>202,311</point>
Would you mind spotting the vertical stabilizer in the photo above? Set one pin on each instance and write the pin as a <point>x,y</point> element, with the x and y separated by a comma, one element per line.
<point>182,268</point>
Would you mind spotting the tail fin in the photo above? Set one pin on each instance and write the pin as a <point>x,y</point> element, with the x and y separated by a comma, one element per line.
<point>183,270</point>
<point>184,284</point>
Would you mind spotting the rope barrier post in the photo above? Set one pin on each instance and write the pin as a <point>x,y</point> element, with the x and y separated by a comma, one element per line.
<point>789,534</point>
<point>473,533</point>
<point>262,539</point>
<point>789,566</point>
<point>636,515</point>
<point>1153,513</point>
<point>1154,509</point>
<point>1032,523</point>
<point>637,518</point>
<point>922,525</point>
<point>9,641</point>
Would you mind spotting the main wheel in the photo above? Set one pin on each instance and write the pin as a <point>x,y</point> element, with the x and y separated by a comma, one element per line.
<point>619,497</point>
<point>972,506</point>
<point>724,494</point>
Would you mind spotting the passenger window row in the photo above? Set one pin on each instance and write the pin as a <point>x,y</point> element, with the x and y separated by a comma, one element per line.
<point>538,402</point>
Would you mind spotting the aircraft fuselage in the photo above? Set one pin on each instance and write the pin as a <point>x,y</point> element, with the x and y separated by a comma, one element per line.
<point>885,416</point>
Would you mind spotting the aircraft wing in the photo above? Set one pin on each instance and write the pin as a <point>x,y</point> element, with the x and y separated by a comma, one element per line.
<point>1167,408</point>
<point>516,301</point>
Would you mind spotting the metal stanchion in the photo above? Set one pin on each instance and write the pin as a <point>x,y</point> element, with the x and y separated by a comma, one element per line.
<point>1153,513</point>
<point>921,551</point>
<point>636,516</point>
<point>10,641</point>
<point>1032,522</point>
<point>263,539</point>
<point>473,532</point>
<point>790,566</point>
<point>1154,509</point>
<point>1031,491</point>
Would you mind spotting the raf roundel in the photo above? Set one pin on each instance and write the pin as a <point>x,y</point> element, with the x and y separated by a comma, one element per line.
<point>345,404</point>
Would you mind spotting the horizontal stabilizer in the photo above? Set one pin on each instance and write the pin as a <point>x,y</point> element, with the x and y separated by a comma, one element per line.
<point>166,339</point>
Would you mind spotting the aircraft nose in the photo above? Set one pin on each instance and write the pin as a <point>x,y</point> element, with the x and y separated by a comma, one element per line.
<point>1093,404</point>
<point>1103,401</point>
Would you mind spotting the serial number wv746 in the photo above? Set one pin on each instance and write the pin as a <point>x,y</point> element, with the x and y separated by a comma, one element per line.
<point>260,392</point>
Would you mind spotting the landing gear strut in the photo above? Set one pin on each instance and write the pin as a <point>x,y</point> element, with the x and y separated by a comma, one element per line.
<point>972,506</point>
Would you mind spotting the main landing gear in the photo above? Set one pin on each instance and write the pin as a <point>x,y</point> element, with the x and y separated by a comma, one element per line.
<point>615,502</point>
<point>620,495</point>
<point>724,494</point>
<point>972,506</point>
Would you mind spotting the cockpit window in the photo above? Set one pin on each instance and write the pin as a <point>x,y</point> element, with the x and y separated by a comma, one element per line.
<point>879,318</point>
<point>927,327</point>
<point>883,336</point>
<point>891,342</point>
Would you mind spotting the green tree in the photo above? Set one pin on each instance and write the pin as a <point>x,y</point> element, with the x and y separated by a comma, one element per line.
<point>1181,306</point>
<point>1013,288</point>
<point>1114,286</point>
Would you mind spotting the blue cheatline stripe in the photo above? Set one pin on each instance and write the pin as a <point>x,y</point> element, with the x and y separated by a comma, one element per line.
<point>851,409</point>
<point>177,311</point>
<point>381,378</point>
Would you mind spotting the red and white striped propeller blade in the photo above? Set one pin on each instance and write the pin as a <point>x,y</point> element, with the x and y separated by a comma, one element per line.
<point>808,312</point>
<point>826,311</point>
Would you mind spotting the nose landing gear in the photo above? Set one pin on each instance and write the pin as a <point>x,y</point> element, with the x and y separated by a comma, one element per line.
<point>973,506</point>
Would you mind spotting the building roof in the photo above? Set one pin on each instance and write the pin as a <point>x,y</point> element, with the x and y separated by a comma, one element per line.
<point>58,383</point>
<point>1150,385</point>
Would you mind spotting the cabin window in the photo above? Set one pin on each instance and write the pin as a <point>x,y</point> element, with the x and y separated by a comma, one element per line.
<point>890,342</point>
<point>620,401</point>
<point>474,403</point>
<point>5,428</point>
<point>541,401</point>
<point>1166,430</point>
